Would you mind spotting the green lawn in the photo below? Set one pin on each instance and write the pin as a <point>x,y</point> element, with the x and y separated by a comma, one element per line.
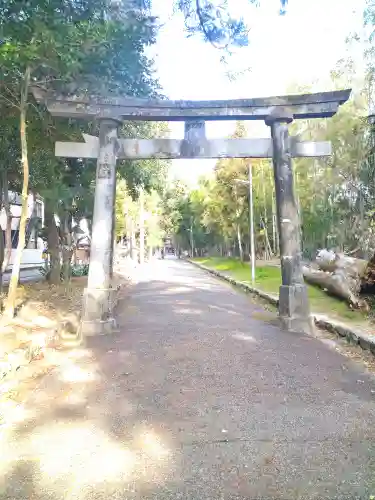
<point>268,279</point>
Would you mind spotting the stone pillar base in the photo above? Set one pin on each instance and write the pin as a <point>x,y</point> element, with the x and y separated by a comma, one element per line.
<point>97,311</point>
<point>294,310</point>
<point>93,328</point>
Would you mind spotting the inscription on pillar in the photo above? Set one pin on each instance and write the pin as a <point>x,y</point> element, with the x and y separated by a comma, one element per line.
<point>106,163</point>
<point>104,171</point>
<point>195,141</point>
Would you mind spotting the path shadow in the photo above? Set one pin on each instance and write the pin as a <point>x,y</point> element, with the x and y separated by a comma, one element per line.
<point>195,397</point>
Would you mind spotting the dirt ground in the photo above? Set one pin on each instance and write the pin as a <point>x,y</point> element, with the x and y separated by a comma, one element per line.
<point>26,341</point>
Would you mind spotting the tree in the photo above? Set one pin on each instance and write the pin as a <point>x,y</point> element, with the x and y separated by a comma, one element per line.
<point>154,231</point>
<point>151,174</point>
<point>42,43</point>
<point>172,203</point>
<point>213,19</point>
<point>9,175</point>
<point>335,195</point>
<point>128,217</point>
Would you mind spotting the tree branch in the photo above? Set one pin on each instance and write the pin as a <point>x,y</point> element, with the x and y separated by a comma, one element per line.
<point>9,102</point>
<point>205,32</point>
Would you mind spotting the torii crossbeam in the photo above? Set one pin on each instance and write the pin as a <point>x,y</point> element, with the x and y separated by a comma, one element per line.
<point>319,105</point>
<point>277,112</point>
<point>143,149</point>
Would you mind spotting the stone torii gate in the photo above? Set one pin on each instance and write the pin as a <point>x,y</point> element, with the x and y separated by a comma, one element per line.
<point>277,112</point>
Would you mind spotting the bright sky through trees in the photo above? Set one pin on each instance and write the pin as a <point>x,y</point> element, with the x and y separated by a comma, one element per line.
<point>314,33</point>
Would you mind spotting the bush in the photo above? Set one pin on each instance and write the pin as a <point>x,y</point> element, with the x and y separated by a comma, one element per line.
<point>79,270</point>
<point>75,271</point>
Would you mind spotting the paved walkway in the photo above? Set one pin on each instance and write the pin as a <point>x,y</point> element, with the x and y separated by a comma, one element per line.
<point>199,397</point>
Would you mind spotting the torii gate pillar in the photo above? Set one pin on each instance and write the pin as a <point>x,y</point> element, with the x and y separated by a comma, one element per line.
<point>98,298</point>
<point>294,310</point>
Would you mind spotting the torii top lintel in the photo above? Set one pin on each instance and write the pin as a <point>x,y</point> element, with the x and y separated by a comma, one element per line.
<point>318,105</point>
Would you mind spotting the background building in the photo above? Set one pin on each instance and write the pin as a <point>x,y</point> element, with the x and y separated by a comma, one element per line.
<point>32,254</point>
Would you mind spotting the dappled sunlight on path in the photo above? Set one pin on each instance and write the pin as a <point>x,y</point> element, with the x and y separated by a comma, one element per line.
<point>75,441</point>
<point>199,395</point>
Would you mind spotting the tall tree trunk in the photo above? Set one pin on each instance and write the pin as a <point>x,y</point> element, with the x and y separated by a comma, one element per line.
<point>1,236</point>
<point>1,260</point>
<point>8,228</point>
<point>191,237</point>
<point>275,229</point>
<point>265,214</point>
<point>53,243</point>
<point>132,239</point>
<point>141,227</point>
<point>239,238</point>
<point>128,235</point>
<point>67,245</point>
<point>32,224</point>
<point>268,249</point>
<point>12,292</point>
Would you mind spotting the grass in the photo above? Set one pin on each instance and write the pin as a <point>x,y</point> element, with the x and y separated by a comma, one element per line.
<point>268,279</point>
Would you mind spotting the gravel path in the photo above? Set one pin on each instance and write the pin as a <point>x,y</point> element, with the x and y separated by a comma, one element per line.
<point>199,396</point>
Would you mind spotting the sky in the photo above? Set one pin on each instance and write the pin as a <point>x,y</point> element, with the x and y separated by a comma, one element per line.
<point>297,49</point>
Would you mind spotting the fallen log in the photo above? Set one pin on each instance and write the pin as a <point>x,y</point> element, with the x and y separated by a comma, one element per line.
<point>334,283</point>
<point>329,261</point>
<point>342,276</point>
